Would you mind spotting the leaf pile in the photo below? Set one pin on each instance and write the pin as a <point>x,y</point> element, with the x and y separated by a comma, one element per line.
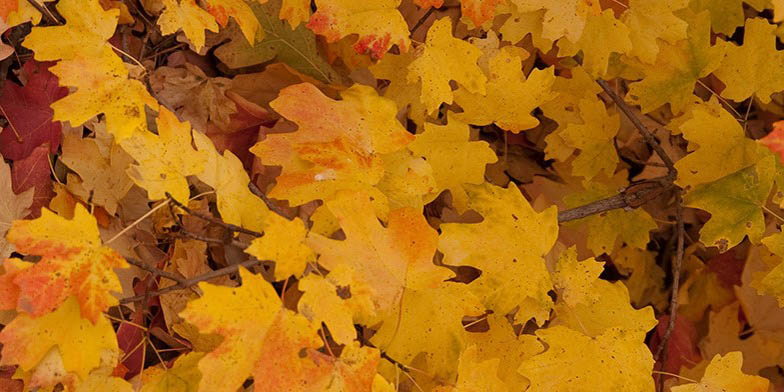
<point>391,195</point>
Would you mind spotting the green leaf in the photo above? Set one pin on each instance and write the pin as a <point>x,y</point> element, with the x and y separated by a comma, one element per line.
<point>297,47</point>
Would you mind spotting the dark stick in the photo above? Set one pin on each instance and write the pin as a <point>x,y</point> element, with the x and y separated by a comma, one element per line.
<point>274,208</point>
<point>155,271</point>
<point>211,219</point>
<point>661,352</point>
<point>45,12</point>
<point>193,281</point>
<point>633,196</point>
<point>646,134</point>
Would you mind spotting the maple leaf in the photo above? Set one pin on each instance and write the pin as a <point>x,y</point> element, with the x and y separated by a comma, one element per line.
<point>475,374</point>
<point>377,22</point>
<point>101,166</point>
<point>446,58</point>
<point>593,136</point>
<point>295,12</point>
<point>406,95</point>
<point>722,151</point>
<point>428,321</point>
<point>102,87</point>
<point>386,259</point>
<point>755,68</point>
<point>602,36</point>
<point>735,203</point>
<point>183,376</point>
<point>34,172</point>
<point>724,374</point>
<point>14,207</point>
<point>614,360</point>
<point>562,18</point>
<point>321,303</point>
<point>84,35</point>
<point>574,280</point>
<point>726,15</point>
<point>186,15</point>
<point>510,98</point>
<point>73,262</point>
<point>408,180</point>
<point>337,144</point>
<point>261,338</point>
<point>284,242</point>
<point>225,174</point>
<point>26,108</point>
<point>650,21</point>
<point>289,44</point>
<point>455,160</point>
<point>513,239</point>
<point>477,11</point>
<point>80,342</point>
<point>165,159</point>
<point>240,11</point>
<point>774,140</point>
<point>678,67</point>
<point>645,278</point>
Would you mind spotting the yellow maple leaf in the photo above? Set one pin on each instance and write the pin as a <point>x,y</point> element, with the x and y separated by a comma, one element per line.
<point>510,97</point>
<point>593,136</point>
<point>563,18</point>
<point>165,159</point>
<point>650,21</point>
<point>102,87</point>
<point>84,34</point>
<point>727,15</point>
<point>755,68</point>
<point>241,12</point>
<point>772,282</point>
<point>645,278</point>
<point>284,243</point>
<point>225,173</point>
<point>507,246</point>
<point>612,361</point>
<point>261,338</point>
<point>724,374</point>
<point>81,343</point>
<point>386,259</point>
<point>714,154</point>
<point>295,12</point>
<point>671,79</point>
<point>377,22</point>
<point>186,15</point>
<point>406,95</point>
<point>602,36</point>
<point>321,303</point>
<point>428,321</point>
<point>407,181</point>
<point>454,158</point>
<point>73,263</point>
<point>183,376</point>
<point>502,342</point>
<point>475,374</point>
<point>574,279</point>
<point>736,204</point>
<point>446,58</point>
<point>338,143</point>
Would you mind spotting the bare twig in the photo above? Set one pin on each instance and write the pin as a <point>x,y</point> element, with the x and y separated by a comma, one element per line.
<point>155,271</point>
<point>45,12</point>
<point>661,352</point>
<point>646,134</point>
<point>193,281</point>
<point>227,226</point>
<point>274,208</point>
<point>633,196</point>
<point>422,20</point>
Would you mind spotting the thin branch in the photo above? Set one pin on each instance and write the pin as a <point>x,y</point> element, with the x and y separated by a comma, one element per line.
<point>227,226</point>
<point>193,281</point>
<point>661,352</point>
<point>422,20</point>
<point>272,206</point>
<point>155,271</point>
<point>45,12</point>
<point>672,173</point>
<point>633,196</point>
